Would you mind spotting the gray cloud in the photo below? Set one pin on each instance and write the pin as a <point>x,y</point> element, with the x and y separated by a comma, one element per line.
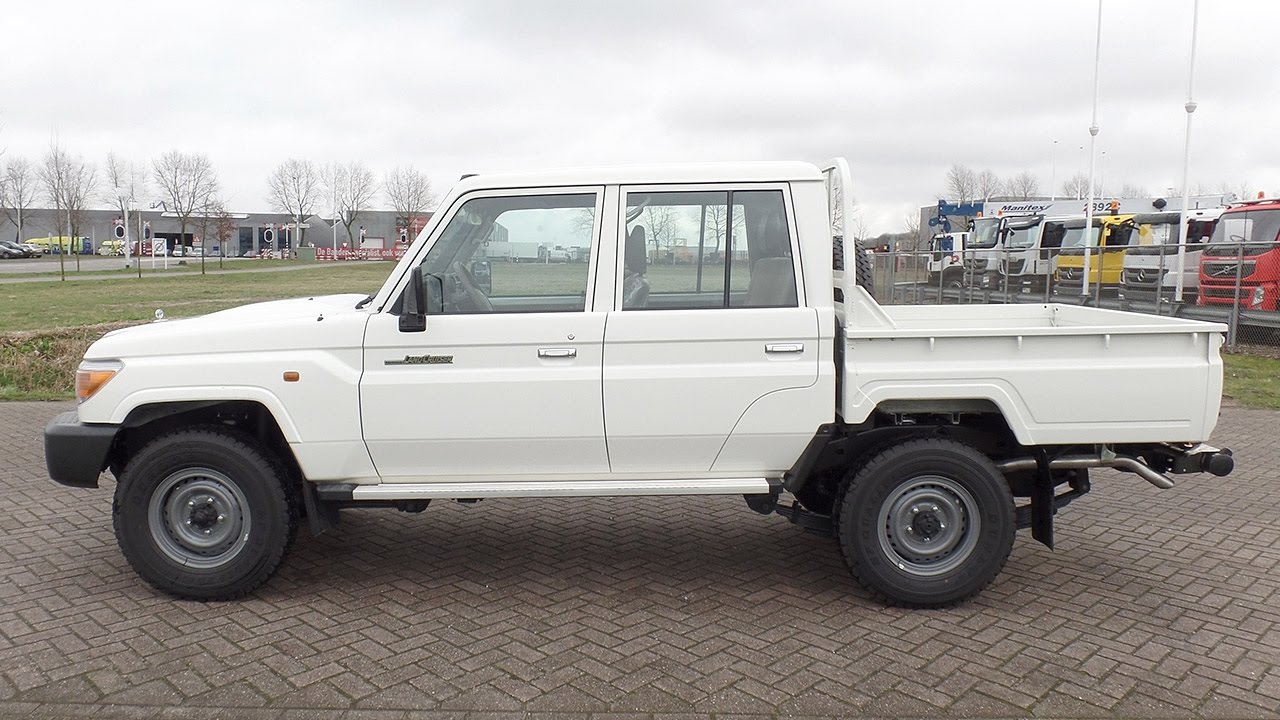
<point>903,90</point>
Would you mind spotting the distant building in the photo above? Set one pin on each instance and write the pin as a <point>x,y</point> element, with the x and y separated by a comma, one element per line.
<point>381,228</point>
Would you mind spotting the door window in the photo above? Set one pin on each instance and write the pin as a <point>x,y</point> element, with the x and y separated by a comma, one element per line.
<point>514,254</point>
<point>707,250</point>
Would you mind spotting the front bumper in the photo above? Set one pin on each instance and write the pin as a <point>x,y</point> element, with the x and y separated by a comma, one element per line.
<point>76,453</point>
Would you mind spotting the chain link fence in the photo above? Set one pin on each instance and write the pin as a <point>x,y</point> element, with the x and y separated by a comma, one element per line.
<point>1237,284</point>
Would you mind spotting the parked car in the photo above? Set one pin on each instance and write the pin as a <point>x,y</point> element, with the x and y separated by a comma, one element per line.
<point>10,253</point>
<point>13,247</point>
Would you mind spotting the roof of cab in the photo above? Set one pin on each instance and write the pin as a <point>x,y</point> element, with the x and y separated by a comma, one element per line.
<point>682,173</point>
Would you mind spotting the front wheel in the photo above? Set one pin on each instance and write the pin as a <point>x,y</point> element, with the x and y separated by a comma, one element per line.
<point>204,513</point>
<point>926,523</point>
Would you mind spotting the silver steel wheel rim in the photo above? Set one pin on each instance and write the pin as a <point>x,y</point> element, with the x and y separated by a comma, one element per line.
<point>199,518</point>
<point>929,525</point>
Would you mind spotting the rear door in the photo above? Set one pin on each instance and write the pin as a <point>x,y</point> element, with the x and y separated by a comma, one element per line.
<point>710,338</point>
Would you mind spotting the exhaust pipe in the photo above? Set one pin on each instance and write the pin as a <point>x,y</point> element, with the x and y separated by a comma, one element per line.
<point>1076,462</point>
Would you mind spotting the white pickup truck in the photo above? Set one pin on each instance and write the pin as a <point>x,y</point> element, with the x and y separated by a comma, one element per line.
<point>704,346</point>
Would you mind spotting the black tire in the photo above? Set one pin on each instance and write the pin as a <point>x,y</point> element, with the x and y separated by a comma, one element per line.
<point>205,513</point>
<point>893,516</point>
<point>862,267</point>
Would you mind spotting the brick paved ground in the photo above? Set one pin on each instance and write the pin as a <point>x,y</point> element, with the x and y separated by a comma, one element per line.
<point>1156,604</point>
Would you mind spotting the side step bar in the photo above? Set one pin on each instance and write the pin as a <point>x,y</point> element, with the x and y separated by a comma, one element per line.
<point>541,488</point>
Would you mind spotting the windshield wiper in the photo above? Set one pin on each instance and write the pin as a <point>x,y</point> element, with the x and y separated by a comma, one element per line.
<point>364,302</point>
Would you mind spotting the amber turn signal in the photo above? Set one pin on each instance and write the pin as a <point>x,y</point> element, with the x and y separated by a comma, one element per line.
<point>91,376</point>
<point>292,376</point>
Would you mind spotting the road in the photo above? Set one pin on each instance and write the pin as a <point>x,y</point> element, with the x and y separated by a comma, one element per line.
<point>1156,604</point>
<point>93,268</point>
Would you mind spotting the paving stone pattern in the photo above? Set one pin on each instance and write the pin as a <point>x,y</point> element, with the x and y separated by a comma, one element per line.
<point>1155,604</point>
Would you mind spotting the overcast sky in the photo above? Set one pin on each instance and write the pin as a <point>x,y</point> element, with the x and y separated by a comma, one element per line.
<point>903,90</point>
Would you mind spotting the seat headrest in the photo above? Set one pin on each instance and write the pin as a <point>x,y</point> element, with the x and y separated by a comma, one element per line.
<point>636,255</point>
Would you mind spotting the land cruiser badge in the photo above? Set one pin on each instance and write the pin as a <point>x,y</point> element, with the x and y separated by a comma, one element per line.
<point>422,360</point>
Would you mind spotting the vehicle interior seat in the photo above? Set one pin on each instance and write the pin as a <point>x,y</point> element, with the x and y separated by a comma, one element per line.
<point>635,288</point>
<point>773,279</point>
<point>772,284</point>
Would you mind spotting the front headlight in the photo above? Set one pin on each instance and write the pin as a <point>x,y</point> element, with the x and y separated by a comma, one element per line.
<point>93,374</point>
<point>1255,300</point>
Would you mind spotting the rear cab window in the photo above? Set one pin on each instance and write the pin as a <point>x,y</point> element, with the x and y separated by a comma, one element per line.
<point>706,249</point>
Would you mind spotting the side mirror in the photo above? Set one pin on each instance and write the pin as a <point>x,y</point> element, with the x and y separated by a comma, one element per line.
<point>413,312</point>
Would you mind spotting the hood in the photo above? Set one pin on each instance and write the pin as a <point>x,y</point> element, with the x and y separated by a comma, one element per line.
<point>330,321</point>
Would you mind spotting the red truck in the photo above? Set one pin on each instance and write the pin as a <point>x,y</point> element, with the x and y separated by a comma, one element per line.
<point>1244,249</point>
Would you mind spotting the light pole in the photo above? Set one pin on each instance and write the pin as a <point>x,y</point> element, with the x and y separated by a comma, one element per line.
<point>1093,140</point>
<point>1053,176</point>
<point>1190,107</point>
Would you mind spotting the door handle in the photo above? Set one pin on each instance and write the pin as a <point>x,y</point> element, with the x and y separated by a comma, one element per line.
<point>557,352</point>
<point>784,348</point>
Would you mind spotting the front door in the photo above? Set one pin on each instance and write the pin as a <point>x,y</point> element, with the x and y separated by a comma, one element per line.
<point>506,379</point>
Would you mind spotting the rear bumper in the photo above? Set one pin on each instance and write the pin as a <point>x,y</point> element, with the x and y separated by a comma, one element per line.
<point>76,453</point>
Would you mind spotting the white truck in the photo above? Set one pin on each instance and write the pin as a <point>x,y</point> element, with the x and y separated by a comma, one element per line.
<point>945,267</point>
<point>755,369</point>
<point>997,241</point>
<point>1151,267</point>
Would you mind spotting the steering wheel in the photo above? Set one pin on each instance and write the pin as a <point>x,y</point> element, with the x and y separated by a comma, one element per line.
<point>475,297</point>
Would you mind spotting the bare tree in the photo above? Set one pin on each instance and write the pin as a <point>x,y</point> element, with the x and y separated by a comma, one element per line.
<point>962,183</point>
<point>409,192</point>
<point>1243,190</point>
<point>1023,186</point>
<point>224,227</point>
<point>661,221</point>
<point>711,220</point>
<point>293,188</point>
<point>858,228</point>
<point>125,183</point>
<point>1131,190</point>
<point>188,184</point>
<point>353,189</point>
<point>987,185</point>
<point>17,192</point>
<point>912,223</point>
<point>1076,186</point>
<point>717,217</point>
<point>69,183</point>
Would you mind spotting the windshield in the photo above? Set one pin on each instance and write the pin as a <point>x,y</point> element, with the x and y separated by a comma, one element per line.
<point>985,233</point>
<point>1022,238</point>
<point>1248,233</point>
<point>1074,237</point>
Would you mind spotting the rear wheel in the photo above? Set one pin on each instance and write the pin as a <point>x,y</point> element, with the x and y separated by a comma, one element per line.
<point>204,513</point>
<point>926,523</point>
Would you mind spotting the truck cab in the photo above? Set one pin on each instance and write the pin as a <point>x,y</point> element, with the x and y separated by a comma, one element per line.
<point>1243,251</point>
<point>1031,253</point>
<point>1110,240</point>
<point>1151,266</point>
<point>945,265</point>
<point>981,258</point>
